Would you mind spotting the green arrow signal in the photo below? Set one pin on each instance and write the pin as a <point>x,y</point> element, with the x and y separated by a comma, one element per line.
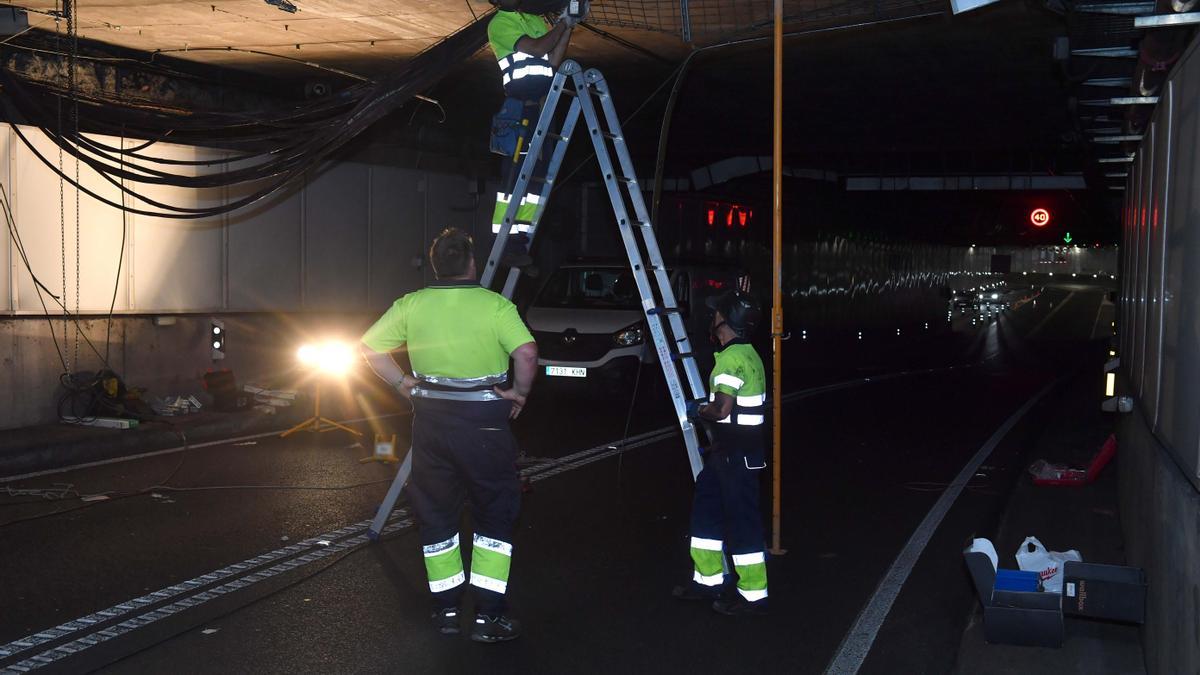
<point>1067,238</point>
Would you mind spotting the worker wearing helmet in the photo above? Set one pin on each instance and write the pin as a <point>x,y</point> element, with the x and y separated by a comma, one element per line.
<point>528,53</point>
<point>725,510</point>
<point>459,338</point>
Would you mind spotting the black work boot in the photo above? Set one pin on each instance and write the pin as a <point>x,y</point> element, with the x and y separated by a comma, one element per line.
<point>446,621</point>
<point>498,628</point>
<point>739,606</point>
<point>694,592</point>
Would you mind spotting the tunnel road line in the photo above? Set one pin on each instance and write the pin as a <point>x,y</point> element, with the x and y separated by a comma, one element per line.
<point>100,627</point>
<point>180,448</point>
<point>1050,315</point>
<point>858,640</point>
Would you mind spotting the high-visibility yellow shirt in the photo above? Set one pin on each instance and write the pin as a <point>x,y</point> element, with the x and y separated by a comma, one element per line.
<point>506,28</point>
<point>453,329</point>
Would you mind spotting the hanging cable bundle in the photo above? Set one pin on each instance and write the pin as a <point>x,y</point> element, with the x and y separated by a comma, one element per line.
<point>262,149</point>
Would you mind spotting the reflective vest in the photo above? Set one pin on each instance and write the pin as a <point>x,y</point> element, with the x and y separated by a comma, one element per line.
<point>519,65</point>
<point>504,32</point>
<point>459,338</point>
<point>738,373</point>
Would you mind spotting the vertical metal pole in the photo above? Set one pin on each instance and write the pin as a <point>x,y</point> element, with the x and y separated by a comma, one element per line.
<point>777,285</point>
<point>317,408</point>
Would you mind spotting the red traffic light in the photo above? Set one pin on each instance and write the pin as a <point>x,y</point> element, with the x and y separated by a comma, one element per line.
<point>1039,217</point>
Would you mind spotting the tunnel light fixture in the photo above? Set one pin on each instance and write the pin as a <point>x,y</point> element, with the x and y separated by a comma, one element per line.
<point>860,335</point>
<point>1110,384</point>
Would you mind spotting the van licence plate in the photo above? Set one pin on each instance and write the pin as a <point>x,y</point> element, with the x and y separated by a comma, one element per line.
<point>564,371</point>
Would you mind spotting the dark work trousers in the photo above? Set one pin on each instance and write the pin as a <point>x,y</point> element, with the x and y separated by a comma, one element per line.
<point>725,506</point>
<point>464,450</point>
<point>532,91</point>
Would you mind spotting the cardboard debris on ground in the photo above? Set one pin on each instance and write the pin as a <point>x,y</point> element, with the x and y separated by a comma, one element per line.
<point>171,406</point>
<point>269,398</point>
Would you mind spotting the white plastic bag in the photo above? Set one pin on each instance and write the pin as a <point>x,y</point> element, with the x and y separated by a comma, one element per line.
<point>1032,556</point>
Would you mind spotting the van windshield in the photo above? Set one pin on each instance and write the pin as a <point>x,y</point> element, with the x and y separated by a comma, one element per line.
<point>590,288</point>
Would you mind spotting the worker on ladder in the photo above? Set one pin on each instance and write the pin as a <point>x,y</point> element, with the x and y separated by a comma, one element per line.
<point>528,53</point>
<point>725,510</point>
<point>459,339</point>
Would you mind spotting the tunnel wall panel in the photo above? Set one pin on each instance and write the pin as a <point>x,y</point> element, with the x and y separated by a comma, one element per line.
<point>350,236</point>
<point>1160,337</point>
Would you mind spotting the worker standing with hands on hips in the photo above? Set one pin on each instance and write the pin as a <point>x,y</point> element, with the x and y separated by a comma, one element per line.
<point>460,337</point>
<point>528,53</point>
<point>725,509</point>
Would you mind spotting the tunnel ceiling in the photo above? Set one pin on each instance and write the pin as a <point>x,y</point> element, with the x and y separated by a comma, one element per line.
<point>983,80</point>
<point>900,87</point>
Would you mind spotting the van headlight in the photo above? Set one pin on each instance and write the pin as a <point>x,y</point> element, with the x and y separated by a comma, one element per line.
<point>630,336</point>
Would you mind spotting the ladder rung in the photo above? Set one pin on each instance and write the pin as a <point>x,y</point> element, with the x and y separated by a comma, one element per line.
<point>555,137</point>
<point>627,181</point>
<point>684,355</point>
<point>611,136</point>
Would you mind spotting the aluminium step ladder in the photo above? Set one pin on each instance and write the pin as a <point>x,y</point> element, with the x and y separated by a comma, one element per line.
<point>589,96</point>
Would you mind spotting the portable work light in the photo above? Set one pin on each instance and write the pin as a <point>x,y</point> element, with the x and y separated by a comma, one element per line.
<point>328,358</point>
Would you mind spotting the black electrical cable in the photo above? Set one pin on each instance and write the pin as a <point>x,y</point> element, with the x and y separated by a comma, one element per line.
<point>117,281</point>
<point>67,314</point>
<point>318,131</point>
<point>37,284</point>
<point>637,381</point>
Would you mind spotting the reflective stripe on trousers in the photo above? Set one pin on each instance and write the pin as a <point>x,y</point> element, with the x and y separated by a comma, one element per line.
<point>443,565</point>
<point>752,575</point>
<point>490,562</point>
<point>525,212</point>
<point>706,557</point>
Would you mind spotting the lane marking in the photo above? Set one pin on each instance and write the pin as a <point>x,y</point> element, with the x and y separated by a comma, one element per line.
<point>1051,314</point>
<point>861,636</point>
<point>180,448</point>
<point>319,547</point>
<point>1096,323</point>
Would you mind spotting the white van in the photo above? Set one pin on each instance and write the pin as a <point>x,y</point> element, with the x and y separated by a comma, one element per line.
<point>588,323</point>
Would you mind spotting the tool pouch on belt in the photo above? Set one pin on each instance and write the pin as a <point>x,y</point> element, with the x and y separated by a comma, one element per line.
<point>506,127</point>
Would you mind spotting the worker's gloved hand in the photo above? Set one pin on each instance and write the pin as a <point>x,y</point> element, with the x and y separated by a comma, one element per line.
<point>693,410</point>
<point>566,18</point>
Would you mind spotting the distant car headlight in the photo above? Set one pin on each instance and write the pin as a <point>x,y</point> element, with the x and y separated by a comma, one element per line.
<point>630,336</point>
